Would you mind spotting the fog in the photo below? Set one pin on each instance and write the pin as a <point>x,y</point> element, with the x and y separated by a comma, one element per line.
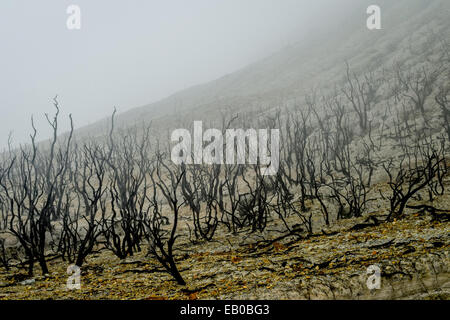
<point>132,53</point>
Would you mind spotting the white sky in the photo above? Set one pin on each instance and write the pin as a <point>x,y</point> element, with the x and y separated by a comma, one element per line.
<point>131,53</point>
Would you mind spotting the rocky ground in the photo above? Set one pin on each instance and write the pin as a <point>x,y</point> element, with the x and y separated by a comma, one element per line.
<point>412,254</point>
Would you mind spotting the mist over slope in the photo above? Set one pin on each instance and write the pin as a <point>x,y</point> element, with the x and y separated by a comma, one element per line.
<point>359,179</point>
<point>316,63</point>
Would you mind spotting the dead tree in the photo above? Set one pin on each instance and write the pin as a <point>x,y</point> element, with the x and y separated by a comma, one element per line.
<point>200,187</point>
<point>166,179</point>
<point>30,187</point>
<point>4,259</point>
<point>362,95</point>
<point>410,175</point>
<point>128,164</point>
<point>315,165</point>
<point>286,205</point>
<point>444,103</point>
<point>229,190</point>
<point>3,212</point>
<point>417,85</point>
<point>297,130</point>
<point>229,197</point>
<point>350,185</point>
<point>436,186</point>
<point>340,135</point>
<point>254,209</point>
<point>81,227</point>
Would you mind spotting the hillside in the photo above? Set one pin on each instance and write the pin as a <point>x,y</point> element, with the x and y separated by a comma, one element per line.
<point>362,181</point>
<point>317,62</point>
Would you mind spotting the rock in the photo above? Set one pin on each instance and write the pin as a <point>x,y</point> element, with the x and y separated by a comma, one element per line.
<point>379,243</point>
<point>28,282</point>
<point>131,261</point>
<point>402,242</point>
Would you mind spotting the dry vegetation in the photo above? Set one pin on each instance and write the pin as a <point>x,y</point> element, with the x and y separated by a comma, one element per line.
<point>363,180</point>
<point>412,252</point>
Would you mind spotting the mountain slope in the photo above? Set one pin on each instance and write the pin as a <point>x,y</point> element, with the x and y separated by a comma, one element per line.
<point>318,62</point>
